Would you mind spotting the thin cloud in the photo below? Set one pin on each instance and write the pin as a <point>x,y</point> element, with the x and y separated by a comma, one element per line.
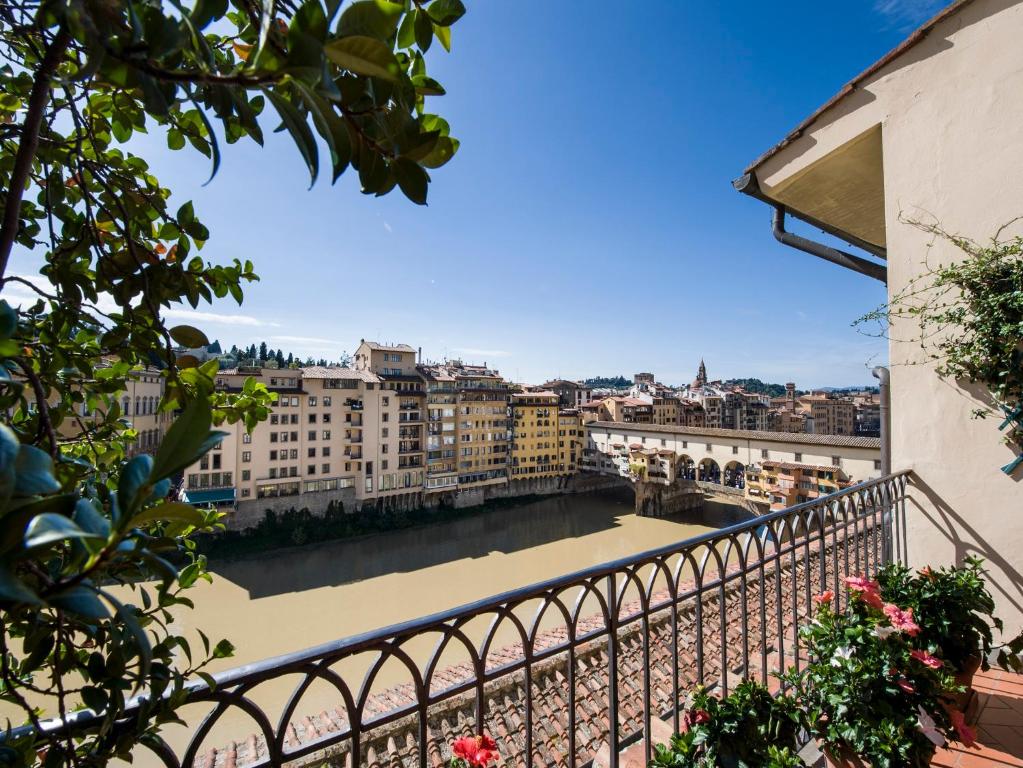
<point>904,14</point>
<point>481,352</point>
<point>315,340</point>
<point>217,317</point>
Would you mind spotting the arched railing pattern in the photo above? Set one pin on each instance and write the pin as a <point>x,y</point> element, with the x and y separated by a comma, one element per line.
<point>559,672</point>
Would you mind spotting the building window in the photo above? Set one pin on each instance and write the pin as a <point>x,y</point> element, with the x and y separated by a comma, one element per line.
<point>325,451</point>
<point>764,453</point>
<point>326,434</point>
<point>326,401</point>
<point>245,493</point>
<point>384,418</point>
<point>836,461</point>
<point>326,469</point>
<point>735,450</point>
<point>383,462</point>
<point>294,453</point>
<point>246,455</point>
<point>311,453</point>
<point>709,447</point>
<point>312,434</point>
<point>799,457</point>
<point>311,469</point>
<point>312,400</point>
<point>385,401</point>
<point>273,455</point>
<point>246,475</point>
<point>312,418</point>
<point>246,437</point>
<point>877,464</point>
<point>326,418</point>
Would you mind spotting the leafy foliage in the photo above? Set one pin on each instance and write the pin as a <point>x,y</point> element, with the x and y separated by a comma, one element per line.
<point>953,607</point>
<point>863,691</point>
<point>607,382</point>
<point>749,727</point>
<point>970,320</point>
<point>96,553</point>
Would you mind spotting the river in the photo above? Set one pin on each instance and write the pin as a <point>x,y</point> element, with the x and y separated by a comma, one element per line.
<point>288,599</point>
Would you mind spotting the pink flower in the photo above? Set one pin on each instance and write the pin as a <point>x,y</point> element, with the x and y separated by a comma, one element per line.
<point>824,598</point>
<point>966,734</point>
<point>926,659</point>
<point>927,573</point>
<point>905,685</point>
<point>902,620</point>
<point>866,590</point>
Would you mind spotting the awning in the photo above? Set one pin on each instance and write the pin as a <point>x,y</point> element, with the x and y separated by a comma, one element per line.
<point>210,496</point>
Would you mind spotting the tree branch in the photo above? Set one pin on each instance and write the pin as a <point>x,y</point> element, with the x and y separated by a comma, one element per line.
<point>38,99</point>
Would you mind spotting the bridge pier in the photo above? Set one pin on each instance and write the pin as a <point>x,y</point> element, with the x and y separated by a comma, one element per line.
<point>659,499</point>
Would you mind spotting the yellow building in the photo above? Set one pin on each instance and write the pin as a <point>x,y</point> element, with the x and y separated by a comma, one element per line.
<point>571,440</point>
<point>534,447</point>
<point>665,411</point>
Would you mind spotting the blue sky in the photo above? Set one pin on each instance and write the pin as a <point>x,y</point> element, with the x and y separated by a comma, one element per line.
<point>588,224</point>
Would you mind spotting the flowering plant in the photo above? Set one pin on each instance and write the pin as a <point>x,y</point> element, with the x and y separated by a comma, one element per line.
<point>749,727</point>
<point>473,752</point>
<point>955,610</point>
<point>867,688</point>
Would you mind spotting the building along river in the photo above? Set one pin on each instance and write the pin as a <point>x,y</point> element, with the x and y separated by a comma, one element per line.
<point>289,599</point>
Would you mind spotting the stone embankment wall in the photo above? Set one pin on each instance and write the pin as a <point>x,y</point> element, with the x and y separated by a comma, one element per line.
<point>761,612</point>
<point>249,512</point>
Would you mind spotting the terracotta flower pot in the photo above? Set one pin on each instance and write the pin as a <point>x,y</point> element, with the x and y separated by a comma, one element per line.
<point>843,757</point>
<point>965,678</point>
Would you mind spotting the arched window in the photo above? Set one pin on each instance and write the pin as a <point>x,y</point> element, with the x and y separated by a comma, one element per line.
<point>138,405</point>
<point>126,406</point>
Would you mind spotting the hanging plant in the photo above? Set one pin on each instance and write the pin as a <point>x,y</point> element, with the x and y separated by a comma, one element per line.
<point>970,320</point>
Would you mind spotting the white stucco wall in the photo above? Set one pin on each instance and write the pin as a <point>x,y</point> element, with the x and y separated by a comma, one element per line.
<point>951,113</point>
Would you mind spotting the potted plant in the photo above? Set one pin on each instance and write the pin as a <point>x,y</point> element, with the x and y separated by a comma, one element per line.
<point>749,727</point>
<point>955,612</point>
<point>868,694</point>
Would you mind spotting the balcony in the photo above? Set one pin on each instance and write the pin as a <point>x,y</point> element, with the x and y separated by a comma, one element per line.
<point>656,642</point>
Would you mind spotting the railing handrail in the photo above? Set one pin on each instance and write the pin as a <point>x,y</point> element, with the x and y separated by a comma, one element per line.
<point>264,669</point>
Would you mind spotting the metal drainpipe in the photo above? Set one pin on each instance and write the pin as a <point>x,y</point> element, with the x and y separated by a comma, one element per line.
<point>883,376</point>
<point>826,252</point>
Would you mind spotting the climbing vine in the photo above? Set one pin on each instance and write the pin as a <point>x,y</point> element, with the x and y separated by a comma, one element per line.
<point>969,320</point>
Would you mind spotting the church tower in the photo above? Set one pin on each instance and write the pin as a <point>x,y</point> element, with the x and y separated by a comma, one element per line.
<point>701,376</point>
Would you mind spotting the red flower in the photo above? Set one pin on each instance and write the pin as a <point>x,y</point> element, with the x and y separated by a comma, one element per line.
<point>902,620</point>
<point>966,734</point>
<point>926,659</point>
<point>927,573</point>
<point>694,717</point>
<point>905,685</point>
<point>476,750</point>
<point>824,598</point>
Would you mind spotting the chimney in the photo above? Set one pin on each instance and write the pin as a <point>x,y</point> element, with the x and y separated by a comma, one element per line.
<point>420,354</point>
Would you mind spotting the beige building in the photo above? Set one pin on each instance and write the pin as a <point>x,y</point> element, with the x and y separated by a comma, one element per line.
<point>534,432</point>
<point>831,415</point>
<point>931,132</point>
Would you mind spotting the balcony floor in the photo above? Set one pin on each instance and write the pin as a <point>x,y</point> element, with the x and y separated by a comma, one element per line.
<point>999,723</point>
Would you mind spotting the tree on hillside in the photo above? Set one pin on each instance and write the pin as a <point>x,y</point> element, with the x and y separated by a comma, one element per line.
<point>78,80</point>
<point>264,355</point>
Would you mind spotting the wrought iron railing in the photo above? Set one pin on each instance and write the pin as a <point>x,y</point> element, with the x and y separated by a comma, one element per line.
<point>561,672</point>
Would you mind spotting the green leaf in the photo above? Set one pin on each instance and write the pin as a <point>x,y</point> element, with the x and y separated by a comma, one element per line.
<point>12,589</point>
<point>94,698</point>
<point>185,441</point>
<point>88,518</point>
<point>444,35</point>
<point>442,151</point>
<point>364,56</point>
<point>8,320</point>
<point>223,649</point>
<point>444,13</point>
<point>424,30</point>
<point>133,486</point>
<point>330,127</point>
<point>412,179</point>
<point>170,511</point>
<point>299,130</point>
<point>81,600</point>
<point>189,337</point>
<point>50,528</point>
<point>427,86</point>
<point>370,18</point>
<point>310,20</point>
<point>8,456</point>
<point>34,469</point>
<point>407,31</point>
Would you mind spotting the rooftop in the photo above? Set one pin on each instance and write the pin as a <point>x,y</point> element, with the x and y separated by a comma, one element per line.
<point>843,441</point>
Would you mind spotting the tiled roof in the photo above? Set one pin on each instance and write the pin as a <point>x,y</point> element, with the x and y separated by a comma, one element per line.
<point>844,441</point>
<point>377,347</point>
<point>795,465</point>
<point>336,372</point>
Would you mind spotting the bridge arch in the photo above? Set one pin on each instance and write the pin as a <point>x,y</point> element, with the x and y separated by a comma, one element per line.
<point>735,474</point>
<point>709,471</point>
<point>685,468</point>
